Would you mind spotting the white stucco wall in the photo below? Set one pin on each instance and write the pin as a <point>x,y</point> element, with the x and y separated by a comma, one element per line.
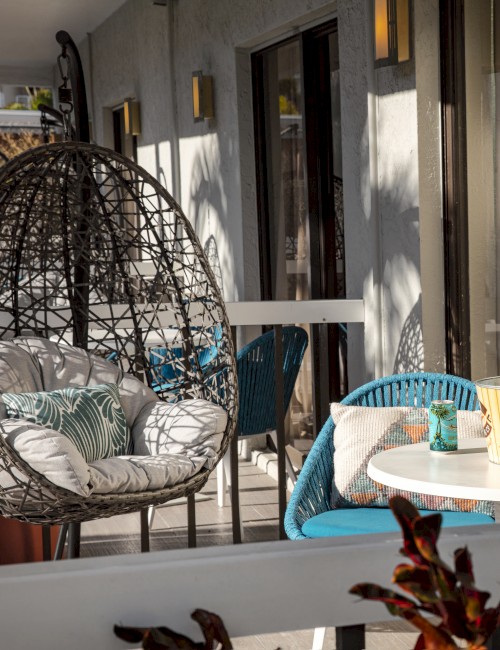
<point>427,64</point>
<point>380,143</point>
<point>149,52</point>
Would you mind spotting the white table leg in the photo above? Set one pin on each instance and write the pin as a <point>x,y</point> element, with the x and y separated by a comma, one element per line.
<point>221,484</point>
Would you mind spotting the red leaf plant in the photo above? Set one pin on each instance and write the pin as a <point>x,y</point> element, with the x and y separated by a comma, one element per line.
<point>163,638</point>
<point>449,595</point>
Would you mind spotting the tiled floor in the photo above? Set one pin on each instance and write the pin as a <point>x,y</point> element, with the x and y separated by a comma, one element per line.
<point>259,513</point>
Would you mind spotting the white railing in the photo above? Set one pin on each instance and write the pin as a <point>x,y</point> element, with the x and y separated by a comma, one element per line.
<point>284,312</point>
<point>255,588</point>
<point>278,313</point>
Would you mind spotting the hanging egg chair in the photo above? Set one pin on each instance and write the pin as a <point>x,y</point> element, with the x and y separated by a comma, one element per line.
<point>95,254</point>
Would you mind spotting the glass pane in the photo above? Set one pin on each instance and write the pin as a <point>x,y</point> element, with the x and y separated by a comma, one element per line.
<point>482,46</point>
<point>288,227</point>
<point>338,333</point>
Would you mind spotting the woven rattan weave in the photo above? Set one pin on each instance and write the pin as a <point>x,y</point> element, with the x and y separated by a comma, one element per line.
<point>94,252</point>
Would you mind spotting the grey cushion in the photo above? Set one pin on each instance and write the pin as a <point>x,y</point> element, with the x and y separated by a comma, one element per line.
<point>49,453</point>
<point>192,427</point>
<point>139,473</point>
<point>172,442</point>
<point>39,364</point>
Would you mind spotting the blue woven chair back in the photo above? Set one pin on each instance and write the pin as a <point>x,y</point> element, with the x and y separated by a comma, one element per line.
<point>257,388</point>
<point>415,389</point>
<point>206,359</point>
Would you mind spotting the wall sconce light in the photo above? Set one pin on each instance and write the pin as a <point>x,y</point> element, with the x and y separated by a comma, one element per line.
<point>392,31</point>
<point>132,117</point>
<point>203,97</point>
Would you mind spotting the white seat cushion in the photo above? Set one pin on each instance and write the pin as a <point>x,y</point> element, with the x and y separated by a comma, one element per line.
<point>49,453</point>
<point>193,427</point>
<point>187,436</point>
<point>140,473</point>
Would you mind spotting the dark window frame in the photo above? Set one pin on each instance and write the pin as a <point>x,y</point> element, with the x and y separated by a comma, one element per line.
<point>455,204</point>
<point>317,120</point>
<point>455,207</point>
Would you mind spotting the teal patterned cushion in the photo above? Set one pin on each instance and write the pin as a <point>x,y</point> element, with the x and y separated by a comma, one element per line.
<point>91,417</point>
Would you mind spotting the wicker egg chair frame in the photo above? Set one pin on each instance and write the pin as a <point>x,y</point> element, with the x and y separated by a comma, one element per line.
<point>94,252</point>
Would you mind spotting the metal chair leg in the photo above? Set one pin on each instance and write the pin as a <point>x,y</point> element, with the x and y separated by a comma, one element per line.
<point>221,483</point>
<point>74,540</point>
<point>191,517</point>
<point>144,531</point>
<point>61,541</point>
<point>350,637</point>
<point>151,516</point>
<point>46,543</point>
<point>235,490</point>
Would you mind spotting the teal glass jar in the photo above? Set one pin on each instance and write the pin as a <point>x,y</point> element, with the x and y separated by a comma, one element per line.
<point>443,425</point>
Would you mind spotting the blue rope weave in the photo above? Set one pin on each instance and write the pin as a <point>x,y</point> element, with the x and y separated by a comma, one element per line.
<point>257,388</point>
<point>312,492</point>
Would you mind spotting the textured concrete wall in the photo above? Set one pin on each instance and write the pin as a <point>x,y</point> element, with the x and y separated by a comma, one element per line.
<point>430,185</point>
<point>149,52</point>
<point>380,195</point>
<point>386,119</point>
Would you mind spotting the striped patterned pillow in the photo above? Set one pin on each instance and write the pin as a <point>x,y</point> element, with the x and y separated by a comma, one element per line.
<point>90,416</point>
<point>363,431</point>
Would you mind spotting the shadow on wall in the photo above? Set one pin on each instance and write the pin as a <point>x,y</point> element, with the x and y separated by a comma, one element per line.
<point>410,354</point>
<point>214,169</point>
<point>399,279</point>
<point>210,250</point>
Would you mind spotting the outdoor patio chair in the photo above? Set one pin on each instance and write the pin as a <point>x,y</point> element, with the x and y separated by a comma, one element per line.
<point>310,513</point>
<point>255,364</point>
<point>80,439</point>
<point>96,254</point>
<point>319,508</point>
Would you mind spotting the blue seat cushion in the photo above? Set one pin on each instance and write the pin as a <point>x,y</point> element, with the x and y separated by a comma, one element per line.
<point>359,521</point>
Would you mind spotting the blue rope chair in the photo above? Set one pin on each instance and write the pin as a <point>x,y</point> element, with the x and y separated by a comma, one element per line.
<point>312,493</point>
<point>311,496</point>
<point>257,393</point>
<point>255,370</point>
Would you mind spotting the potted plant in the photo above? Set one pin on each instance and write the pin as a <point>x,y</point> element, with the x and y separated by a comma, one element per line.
<point>450,595</point>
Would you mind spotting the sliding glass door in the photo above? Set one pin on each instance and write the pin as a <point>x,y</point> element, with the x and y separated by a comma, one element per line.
<point>299,163</point>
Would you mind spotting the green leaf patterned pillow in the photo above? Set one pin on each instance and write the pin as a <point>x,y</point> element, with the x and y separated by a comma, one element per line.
<point>91,417</point>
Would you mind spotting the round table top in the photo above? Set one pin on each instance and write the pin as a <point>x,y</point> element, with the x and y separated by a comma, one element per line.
<point>463,474</point>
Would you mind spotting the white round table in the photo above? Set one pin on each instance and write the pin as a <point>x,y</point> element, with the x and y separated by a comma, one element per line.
<point>464,474</point>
